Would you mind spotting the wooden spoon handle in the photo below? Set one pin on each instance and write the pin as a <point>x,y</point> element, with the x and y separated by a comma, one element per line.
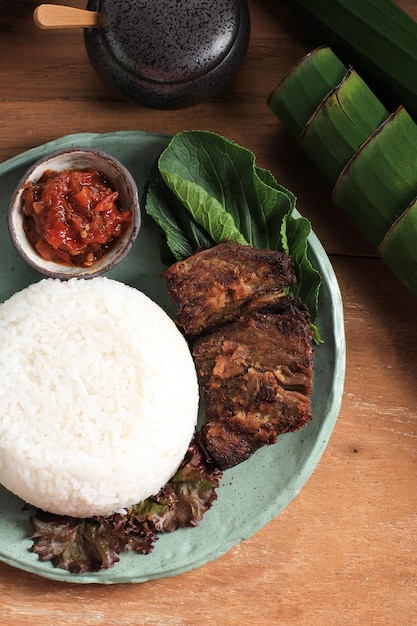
<point>56,16</point>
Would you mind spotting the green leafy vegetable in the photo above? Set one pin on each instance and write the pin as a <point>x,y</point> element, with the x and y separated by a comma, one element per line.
<point>91,544</point>
<point>207,189</point>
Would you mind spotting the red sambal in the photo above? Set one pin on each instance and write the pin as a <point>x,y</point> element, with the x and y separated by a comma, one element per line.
<point>72,216</point>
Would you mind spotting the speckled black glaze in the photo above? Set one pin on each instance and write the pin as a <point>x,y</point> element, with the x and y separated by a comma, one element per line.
<point>169,53</point>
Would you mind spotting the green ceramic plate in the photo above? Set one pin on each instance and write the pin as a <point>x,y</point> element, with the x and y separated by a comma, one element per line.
<point>252,493</point>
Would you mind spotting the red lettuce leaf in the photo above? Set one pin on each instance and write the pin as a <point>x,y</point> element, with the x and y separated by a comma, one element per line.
<point>75,545</point>
<point>91,544</point>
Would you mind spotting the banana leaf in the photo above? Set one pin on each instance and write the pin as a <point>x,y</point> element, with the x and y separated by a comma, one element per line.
<point>296,97</point>
<point>380,181</point>
<point>341,124</point>
<point>377,37</point>
<point>399,248</point>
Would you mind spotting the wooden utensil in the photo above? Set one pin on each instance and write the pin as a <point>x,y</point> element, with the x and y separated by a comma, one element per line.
<point>55,16</point>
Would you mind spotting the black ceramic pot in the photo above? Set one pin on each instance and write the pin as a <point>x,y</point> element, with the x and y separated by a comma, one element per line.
<point>168,54</point>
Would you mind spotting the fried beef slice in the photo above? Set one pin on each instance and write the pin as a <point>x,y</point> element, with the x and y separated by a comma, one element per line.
<point>251,343</point>
<point>216,285</point>
<point>255,376</point>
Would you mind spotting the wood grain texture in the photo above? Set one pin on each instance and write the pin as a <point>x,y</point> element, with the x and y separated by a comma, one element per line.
<point>344,551</point>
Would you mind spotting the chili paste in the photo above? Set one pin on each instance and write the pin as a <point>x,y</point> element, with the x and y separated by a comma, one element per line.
<point>72,216</point>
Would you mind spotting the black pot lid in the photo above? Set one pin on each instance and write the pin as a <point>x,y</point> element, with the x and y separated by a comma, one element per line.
<point>167,45</point>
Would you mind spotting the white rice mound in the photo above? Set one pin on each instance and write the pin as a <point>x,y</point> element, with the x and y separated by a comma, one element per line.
<point>98,396</point>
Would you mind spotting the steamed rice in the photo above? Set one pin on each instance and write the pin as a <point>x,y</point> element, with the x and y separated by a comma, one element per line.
<point>98,396</point>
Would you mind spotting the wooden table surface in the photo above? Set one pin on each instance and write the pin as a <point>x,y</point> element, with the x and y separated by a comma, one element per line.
<point>344,551</point>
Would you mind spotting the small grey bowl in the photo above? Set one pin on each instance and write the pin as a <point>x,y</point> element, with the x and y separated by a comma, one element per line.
<point>120,180</point>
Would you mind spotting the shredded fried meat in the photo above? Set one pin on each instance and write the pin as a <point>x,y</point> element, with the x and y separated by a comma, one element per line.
<point>251,343</point>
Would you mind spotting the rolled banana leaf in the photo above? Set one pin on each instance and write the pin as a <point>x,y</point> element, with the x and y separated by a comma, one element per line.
<point>342,122</point>
<point>380,181</point>
<point>296,97</point>
<point>379,39</point>
<point>399,248</point>
<point>368,155</point>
